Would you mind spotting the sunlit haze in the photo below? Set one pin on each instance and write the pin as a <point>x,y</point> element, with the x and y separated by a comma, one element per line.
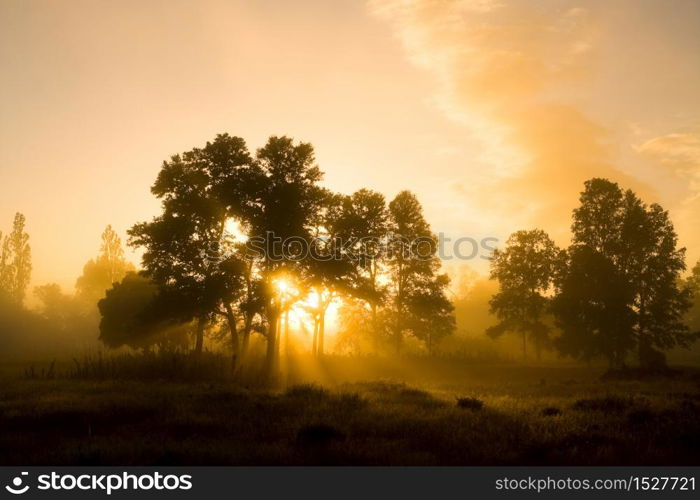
<point>493,112</point>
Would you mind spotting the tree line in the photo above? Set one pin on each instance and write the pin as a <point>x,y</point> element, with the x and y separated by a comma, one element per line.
<point>224,257</point>
<point>617,288</point>
<point>195,272</point>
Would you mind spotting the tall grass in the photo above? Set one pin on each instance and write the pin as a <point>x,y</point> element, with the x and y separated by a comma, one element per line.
<point>174,366</point>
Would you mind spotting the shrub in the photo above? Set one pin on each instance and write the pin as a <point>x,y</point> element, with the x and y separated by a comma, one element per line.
<point>551,411</point>
<point>470,403</point>
<point>606,404</point>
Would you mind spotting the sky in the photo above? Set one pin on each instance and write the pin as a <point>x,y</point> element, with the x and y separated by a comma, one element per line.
<point>493,112</point>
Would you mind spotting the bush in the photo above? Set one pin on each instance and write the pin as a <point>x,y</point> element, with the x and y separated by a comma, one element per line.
<point>551,411</point>
<point>607,404</point>
<point>470,403</point>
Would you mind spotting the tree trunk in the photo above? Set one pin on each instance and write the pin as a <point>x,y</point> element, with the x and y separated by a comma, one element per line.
<point>642,346</point>
<point>321,331</point>
<point>314,348</point>
<point>524,346</point>
<point>199,339</point>
<point>279,339</point>
<point>286,333</point>
<point>246,337</point>
<point>248,314</point>
<point>271,354</point>
<point>234,336</point>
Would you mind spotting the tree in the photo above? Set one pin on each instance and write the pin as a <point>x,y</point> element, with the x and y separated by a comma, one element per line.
<point>592,308</point>
<point>432,313</point>
<point>525,271</point>
<point>640,243</point>
<point>16,261</point>
<point>332,268</point>
<point>5,268</point>
<point>136,312</point>
<point>101,273</point>
<point>413,265</point>
<point>280,223</point>
<point>184,245</point>
<point>692,283</point>
<point>361,227</point>
<point>55,306</point>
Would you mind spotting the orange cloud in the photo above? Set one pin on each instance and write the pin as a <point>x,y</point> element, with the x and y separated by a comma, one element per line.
<point>514,75</point>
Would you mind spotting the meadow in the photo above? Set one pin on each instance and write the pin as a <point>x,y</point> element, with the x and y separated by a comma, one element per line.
<point>345,411</point>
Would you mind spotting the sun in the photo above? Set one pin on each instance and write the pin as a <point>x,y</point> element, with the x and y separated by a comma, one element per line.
<point>283,286</point>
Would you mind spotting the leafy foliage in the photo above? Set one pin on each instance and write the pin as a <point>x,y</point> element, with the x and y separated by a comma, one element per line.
<point>525,271</point>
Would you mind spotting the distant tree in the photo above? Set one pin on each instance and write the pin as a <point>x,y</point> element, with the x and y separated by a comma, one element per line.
<point>55,305</point>
<point>412,266</point>
<point>101,273</point>
<point>357,328</point>
<point>16,261</point>
<point>5,268</point>
<point>525,271</point>
<point>112,252</point>
<point>640,243</point>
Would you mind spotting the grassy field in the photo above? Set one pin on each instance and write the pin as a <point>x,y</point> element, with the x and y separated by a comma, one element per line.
<point>354,412</point>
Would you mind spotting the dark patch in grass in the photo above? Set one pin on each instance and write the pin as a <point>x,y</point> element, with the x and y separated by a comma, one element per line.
<point>688,406</point>
<point>587,441</point>
<point>306,391</point>
<point>168,458</point>
<point>89,457</point>
<point>401,394</point>
<point>550,411</point>
<point>317,434</point>
<point>470,403</point>
<point>351,402</point>
<point>640,373</point>
<point>609,404</point>
<point>171,366</point>
<point>640,417</point>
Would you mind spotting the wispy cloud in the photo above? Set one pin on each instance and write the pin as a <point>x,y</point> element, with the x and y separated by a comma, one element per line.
<point>512,73</point>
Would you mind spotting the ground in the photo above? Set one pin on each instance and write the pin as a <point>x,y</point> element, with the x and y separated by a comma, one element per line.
<point>530,415</point>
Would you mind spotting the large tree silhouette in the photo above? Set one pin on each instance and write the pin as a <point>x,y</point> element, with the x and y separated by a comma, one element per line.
<point>280,222</point>
<point>637,244</point>
<point>183,246</point>
<point>592,308</point>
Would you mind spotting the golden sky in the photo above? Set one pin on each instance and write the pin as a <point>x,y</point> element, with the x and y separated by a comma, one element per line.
<point>494,112</point>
